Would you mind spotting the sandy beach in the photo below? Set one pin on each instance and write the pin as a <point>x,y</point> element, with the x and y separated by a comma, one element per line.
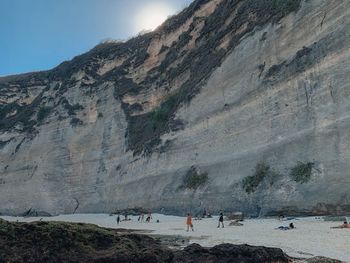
<point>312,236</point>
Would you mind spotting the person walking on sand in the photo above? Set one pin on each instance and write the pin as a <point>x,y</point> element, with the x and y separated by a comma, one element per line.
<point>118,220</point>
<point>189,222</point>
<point>149,217</point>
<point>221,220</point>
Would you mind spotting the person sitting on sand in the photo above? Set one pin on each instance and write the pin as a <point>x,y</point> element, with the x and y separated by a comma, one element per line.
<point>291,226</point>
<point>221,220</point>
<point>189,222</point>
<point>344,225</point>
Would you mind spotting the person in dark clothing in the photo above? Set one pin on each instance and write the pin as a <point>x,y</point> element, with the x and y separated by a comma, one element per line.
<point>291,226</point>
<point>149,217</point>
<point>204,213</point>
<point>221,220</point>
<point>118,220</point>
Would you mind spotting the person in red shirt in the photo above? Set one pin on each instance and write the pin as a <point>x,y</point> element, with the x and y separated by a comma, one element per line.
<point>189,222</point>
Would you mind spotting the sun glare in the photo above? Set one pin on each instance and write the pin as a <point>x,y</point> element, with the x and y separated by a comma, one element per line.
<point>151,16</point>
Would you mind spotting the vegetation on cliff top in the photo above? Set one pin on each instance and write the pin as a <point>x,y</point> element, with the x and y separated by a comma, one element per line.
<point>200,62</point>
<point>144,131</point>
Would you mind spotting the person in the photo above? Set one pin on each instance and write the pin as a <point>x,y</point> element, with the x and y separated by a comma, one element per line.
<point>149,217</point>
<point>189,222</point>
<point>290,227</point>
<point>344,225</point>
<point>204,213</point>
<point>221,220</point>
<point>142,217</point>
<point>118,219</point>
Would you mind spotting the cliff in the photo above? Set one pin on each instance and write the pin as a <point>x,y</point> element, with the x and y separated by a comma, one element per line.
<point>233,105</point>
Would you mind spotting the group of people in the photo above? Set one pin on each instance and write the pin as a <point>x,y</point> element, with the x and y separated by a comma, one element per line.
<point>189,222</point>
<point>141,218</point>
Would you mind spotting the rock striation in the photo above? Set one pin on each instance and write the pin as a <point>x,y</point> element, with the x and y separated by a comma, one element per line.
<point>236,105</point>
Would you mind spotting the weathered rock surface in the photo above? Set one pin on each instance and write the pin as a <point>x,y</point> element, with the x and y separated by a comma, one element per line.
<point>232,105</point>
<point>77,242</point>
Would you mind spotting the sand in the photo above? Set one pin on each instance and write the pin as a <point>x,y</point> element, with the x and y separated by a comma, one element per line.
<point>312,236</point>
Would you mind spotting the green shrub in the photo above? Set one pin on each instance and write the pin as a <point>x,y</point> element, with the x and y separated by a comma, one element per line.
<point>160,115</point>
<point>285,6</point>
<point>301,172</point>
<point>193,179</point>
<point>76,122</point>
<point>43,113</point>
<point>262,172</point>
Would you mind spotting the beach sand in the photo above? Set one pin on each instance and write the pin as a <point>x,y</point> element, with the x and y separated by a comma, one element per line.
<point>312,237</point>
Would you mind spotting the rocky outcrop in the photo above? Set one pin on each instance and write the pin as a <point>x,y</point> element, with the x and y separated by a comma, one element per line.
<point>230,253</point>
<point>77,242</point>
<point>230,105</point>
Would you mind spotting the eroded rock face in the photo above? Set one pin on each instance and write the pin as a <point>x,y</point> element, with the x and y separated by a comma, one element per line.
<point>69,242</point>
<point>222,89</point>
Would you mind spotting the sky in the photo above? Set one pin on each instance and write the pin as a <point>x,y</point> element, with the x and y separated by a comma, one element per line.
<point>40,34</point>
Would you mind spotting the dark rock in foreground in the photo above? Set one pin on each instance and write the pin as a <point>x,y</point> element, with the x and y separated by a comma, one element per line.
<point>76,242</point>
<point>230,253</point>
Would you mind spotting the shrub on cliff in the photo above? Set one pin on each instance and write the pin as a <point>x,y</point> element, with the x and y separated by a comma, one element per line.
<point>301,172</point>
<point>285,6</point>
<point>262,172</point>
<point>193,179</point>
<point>43,113</point>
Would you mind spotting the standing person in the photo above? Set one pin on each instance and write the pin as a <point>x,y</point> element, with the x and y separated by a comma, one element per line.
<point>118,220</point>
<point>142,217</point>
<point>221,220</point>
<point>189,222</point>
<point>149,217</point>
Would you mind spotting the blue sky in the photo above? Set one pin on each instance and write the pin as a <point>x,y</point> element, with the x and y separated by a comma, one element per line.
<point>40,34</point>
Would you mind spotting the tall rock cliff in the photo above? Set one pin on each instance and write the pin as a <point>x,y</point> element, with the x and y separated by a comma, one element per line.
<point>231,104</point>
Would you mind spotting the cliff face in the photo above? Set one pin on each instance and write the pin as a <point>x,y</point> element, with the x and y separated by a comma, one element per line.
<point>235,105</point>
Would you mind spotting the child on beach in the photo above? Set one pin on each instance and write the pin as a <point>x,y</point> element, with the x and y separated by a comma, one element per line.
<point>189,222</point>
